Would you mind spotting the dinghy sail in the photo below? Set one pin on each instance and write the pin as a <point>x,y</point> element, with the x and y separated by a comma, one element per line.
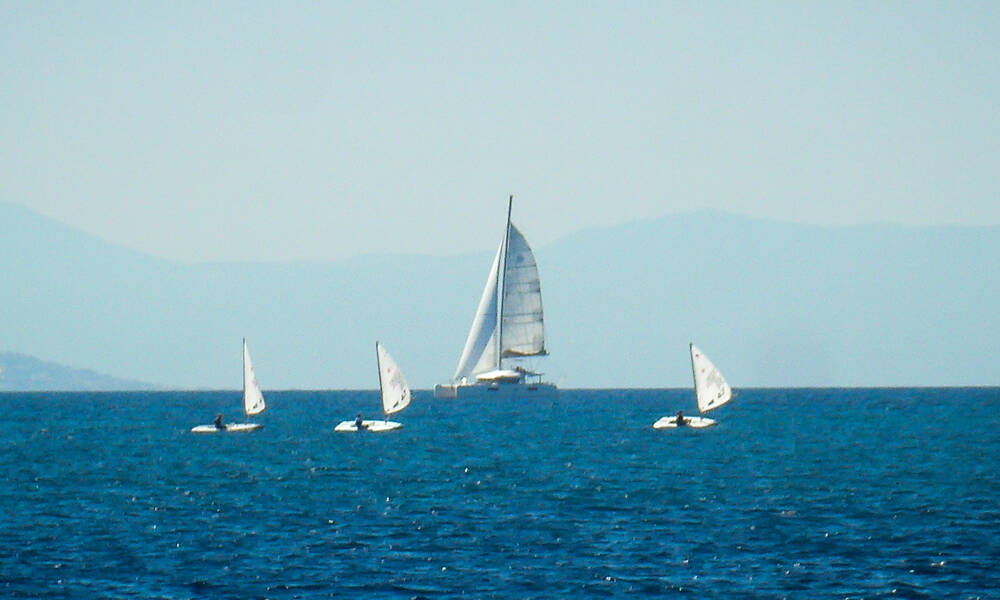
<point>395,394</point>
<point>509,323</point>
<point>253,401</point>
<point>710,389</point>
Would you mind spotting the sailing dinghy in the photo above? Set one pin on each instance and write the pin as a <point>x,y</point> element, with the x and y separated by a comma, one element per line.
<point>395,396</point>
<point>253,401</point>
<point>710,389</point>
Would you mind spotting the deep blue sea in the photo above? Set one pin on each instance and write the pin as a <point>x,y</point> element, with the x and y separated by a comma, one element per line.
<point>841,493</point>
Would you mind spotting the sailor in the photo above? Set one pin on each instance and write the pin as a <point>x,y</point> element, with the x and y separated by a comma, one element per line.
<point>218,422</point>
<point>359,423</point>
<point>680,419</point>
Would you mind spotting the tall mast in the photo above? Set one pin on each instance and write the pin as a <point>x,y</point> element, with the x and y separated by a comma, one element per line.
<point>378,363</point>
<point>501,269</point>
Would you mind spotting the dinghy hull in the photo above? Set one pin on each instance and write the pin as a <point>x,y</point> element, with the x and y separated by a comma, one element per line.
<point>230,428</point>
<point>692,422</point>
<point>369,426</point>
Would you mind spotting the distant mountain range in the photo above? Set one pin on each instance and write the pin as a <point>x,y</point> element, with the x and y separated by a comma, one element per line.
<point>772,303</point>
<point>19,372</point>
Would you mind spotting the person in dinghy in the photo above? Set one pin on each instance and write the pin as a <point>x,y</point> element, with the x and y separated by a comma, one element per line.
<point>680,419</point>
<point>218,422</point>
<point>360,423</point>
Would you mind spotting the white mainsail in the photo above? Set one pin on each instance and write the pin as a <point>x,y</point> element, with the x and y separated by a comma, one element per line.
<point>522,321</point>
<point>513,288</point>
<point>253,399</point>
<point>710,387</point>
<point>395,393</point>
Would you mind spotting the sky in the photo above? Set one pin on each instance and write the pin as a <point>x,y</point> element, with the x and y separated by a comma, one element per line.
<point>223,131</point>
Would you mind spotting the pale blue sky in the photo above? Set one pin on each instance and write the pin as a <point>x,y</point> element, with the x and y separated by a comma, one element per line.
<point>277,131</point>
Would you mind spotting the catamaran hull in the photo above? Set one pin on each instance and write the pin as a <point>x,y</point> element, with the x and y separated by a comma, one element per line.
<point>692,422</point>
<point>369,426</point>
<point>230,428</point>
<point>506,391</point>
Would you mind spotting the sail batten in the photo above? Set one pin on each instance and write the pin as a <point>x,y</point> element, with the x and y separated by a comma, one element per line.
<point>710,387</point>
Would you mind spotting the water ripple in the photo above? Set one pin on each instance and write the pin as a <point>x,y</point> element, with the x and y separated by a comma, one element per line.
<point>785,498</point>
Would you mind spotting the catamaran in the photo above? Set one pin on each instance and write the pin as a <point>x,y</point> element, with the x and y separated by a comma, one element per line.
<point>508,325</point>
<point>710,390</point>
<point>253,401</point>
<point>395,396</point>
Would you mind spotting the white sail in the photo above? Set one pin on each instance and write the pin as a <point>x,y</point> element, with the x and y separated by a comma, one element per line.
<point>710,387</point>
<point>509,320</point>
<point>253,399</point>
<point>480,349</point>
<point>522,323</point>
<point>395,393</point>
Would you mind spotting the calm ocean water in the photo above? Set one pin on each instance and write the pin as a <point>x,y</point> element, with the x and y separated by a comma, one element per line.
<point>797,493</point>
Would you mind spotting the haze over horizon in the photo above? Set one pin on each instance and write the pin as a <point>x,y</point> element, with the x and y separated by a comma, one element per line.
<point>773,303</point>
<point>234,132</point>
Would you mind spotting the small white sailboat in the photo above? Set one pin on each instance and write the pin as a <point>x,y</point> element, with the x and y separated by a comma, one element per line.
<point>395,396</point>
<point>508,324</point>
<point>253,401</point>
<point>710,389</point>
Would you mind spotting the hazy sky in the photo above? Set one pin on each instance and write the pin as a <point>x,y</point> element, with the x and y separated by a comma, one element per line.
<point>275,131</point>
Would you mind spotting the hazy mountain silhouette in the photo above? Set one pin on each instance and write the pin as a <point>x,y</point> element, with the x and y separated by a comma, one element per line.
<point>771,303</point>
<point>19,372</point>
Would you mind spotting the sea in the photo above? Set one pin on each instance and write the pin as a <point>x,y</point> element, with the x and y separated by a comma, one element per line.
<point>796,493</point>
